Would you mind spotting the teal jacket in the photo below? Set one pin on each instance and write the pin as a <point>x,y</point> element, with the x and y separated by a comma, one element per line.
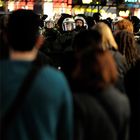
<point>47,111</point>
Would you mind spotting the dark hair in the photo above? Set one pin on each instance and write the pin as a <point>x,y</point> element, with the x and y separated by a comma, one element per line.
<point>23,30</point>
<point>127,46</point>
<point>85,39</point>
<point>96,17</point>
<point>96,69</point>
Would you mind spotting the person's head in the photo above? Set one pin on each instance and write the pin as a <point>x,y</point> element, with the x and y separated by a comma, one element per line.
<point>49,24</point>
<point>68,24</point>
<point>90,21</point>
<point>80,22</point>
<point>23,30</point>
<point>97,17</point>
<point>124,24</point>
<point>127,46</point>
<point>107,38</point>
<point>87,39</point>
<point>96,69</point>
<point>108,22</point>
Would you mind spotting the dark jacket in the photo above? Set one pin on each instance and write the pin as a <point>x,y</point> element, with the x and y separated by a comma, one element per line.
<point>122,69</point>
<point>132,86</point>
<point>115,105</point>
<point>91,120</point>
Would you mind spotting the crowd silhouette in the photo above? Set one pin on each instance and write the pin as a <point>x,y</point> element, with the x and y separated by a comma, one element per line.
<point>76,79</point>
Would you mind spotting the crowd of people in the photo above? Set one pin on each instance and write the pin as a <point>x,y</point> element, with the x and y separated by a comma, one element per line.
<point>76,79</point>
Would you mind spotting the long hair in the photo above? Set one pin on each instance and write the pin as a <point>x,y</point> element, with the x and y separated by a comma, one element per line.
<point>96,69</point>
<point>127,46</point>
<point>108,41</point>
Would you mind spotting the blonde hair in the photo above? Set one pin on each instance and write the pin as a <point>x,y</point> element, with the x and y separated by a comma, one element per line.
<point>108,40</point>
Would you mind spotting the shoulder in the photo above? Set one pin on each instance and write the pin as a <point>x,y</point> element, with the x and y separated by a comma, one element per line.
<point>85,104</point>
<point>51,72</point>
<point>52,80</point>
<point>84,98</point>
<point>90,116</point>
<point>115,95</point>
<point>51,84</point>
<point>116,100</point>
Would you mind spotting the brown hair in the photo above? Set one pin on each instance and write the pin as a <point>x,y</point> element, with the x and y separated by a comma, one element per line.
<point>95,69</point>
<point>127,46</point>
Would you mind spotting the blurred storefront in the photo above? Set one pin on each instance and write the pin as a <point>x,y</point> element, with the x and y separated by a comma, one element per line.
<point>89,7</point>
<point>134,6</point>
<point>110,8</point>
<point>14,5</point>
<point>49,7</point>
<point>127,8</point>
<point>107,8</point>
<point>90,10</point>
<point>56,7</point>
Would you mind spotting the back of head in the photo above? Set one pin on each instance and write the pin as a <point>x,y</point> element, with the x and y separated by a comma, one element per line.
<point>23,30</point>
<point>108,22</point>
<point>127,46</point>
<point>86,39</point>
<point>125,25</point>
<point>97,17</point>
<point>90,22</point>
<point>96,69</point>
<point>108,41</point>
<point>124,40</point>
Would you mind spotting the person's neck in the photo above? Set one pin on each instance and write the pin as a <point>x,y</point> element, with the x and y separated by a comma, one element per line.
<point>27,55</point>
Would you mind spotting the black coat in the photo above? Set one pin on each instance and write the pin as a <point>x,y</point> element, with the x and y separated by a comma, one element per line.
<point>90,120</point>
<point>101,111</point>
<point>117,106</point>
<point>132,86</point>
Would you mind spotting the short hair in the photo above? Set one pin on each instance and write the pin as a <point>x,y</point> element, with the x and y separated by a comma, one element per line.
<point>22,30</point>
<point>125,25</point>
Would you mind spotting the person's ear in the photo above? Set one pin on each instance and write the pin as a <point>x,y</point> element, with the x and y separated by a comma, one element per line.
<point>39,41</point>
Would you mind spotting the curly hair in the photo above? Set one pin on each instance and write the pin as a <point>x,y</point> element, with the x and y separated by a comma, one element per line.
<point>127,46</point>
<point>125,25</point>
